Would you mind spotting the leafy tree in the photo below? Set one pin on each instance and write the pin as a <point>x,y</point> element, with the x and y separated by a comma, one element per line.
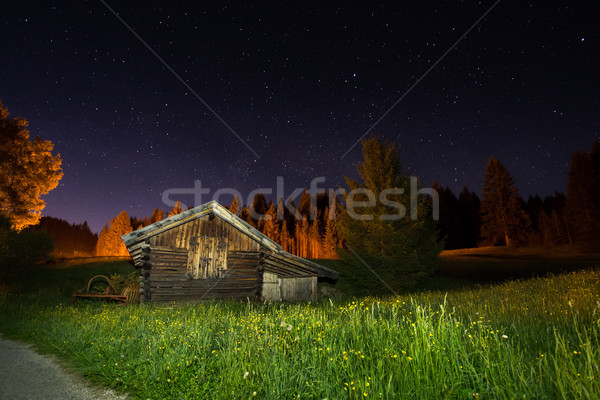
<point>109,242</point>
<point>388,249</point>
<point>28,170</point>
<point>503,218</point>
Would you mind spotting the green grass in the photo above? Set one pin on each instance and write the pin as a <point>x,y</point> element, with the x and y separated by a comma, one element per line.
<point>524,339</point>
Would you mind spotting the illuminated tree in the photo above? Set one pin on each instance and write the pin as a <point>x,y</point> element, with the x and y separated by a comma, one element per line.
<point>28,170</point>
<point>109,241</point>
<point>331,240</point>
<point>503,218</point>
<point>386,248</point>
<point>177,209</point>
<point>235,206</point>
<point>271,226</point>
<point>157,215</point>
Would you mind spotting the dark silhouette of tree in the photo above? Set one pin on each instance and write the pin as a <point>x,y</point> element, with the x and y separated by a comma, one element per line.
<point>470,206</point>
<point>307,206</point>
<point>503,218</point>
<point>451,222</point>
<point>20,249</point>
<point>28,170</point>
<point>109,241</point>
<point>259,206</point>
<point>535,204</point>
<point>583,197</point>
<point>402,252</point>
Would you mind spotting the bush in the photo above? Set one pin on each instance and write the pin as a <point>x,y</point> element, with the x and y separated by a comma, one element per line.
<point>18,249</point>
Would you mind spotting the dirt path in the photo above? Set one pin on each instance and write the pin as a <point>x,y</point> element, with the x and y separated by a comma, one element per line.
<point>24,374</point>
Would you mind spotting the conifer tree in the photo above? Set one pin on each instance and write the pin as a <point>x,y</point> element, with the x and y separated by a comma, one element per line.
<point>503,218</point>
<point>284,237</point>
<point>302,243</point>
<point>177,209</point>
<point>258,207</point>
<point>314,239</point>
<point>109,241</point>
<point>397,250</point>
<point>271,226</point>
<point>470,204</point>
<point>583,197</point>
<point>331,239</point>
<point>245,216</point>
<point>235,206</point>
<point>157,215</point>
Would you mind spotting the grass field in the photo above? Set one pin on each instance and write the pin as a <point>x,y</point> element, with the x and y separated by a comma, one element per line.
<point>536,338</point>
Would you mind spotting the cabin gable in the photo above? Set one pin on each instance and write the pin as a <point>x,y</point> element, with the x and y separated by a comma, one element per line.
<point>208,252</point>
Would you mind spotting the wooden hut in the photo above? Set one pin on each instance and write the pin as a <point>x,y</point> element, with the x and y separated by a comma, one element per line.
<point>208,252</point>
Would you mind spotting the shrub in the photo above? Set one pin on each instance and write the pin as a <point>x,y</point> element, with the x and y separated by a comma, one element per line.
<point>19,249</point>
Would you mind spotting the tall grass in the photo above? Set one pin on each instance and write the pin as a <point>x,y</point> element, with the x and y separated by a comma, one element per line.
<point>526,339</point>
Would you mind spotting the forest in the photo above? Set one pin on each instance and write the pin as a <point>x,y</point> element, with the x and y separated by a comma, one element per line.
<point>497,217</point>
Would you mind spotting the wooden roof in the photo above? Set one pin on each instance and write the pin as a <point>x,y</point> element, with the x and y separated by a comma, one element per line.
<point>134,240</point>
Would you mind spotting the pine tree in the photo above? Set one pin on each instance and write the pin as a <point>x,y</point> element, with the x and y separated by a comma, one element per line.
<point>177,209</point>
<point>470,205</point>
<point>302,242</point>
<point>583,197</point>
<point>258,207</point>
<point>235,206</point>
<point>245,216</point>
<point>314,239</point>
<point>331,239</point>
<point>402,252</point>
<point>157,215</point>
<point>284,237</point>
<point>271,226</point>
<point>503,218</point>
<point>109,242</point>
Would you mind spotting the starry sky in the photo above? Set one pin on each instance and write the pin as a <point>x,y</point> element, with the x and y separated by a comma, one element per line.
<point>236,94</point>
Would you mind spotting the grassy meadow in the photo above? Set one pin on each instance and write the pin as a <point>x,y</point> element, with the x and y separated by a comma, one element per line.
<point>534,339</point>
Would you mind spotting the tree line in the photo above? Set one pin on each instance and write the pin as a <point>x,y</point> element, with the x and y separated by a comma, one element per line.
<point>499,217</point>
<point>314,235</point>
<point>502,217</point>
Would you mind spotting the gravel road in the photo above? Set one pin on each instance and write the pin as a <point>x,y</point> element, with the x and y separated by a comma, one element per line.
<point>24,374</point>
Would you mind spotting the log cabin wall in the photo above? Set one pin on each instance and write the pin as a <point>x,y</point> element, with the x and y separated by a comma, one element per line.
<point>166,279</point>
<point>180,235</point>
<point>208,252</point>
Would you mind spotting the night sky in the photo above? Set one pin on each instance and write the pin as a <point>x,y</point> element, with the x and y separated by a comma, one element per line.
<point>300,84</point>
